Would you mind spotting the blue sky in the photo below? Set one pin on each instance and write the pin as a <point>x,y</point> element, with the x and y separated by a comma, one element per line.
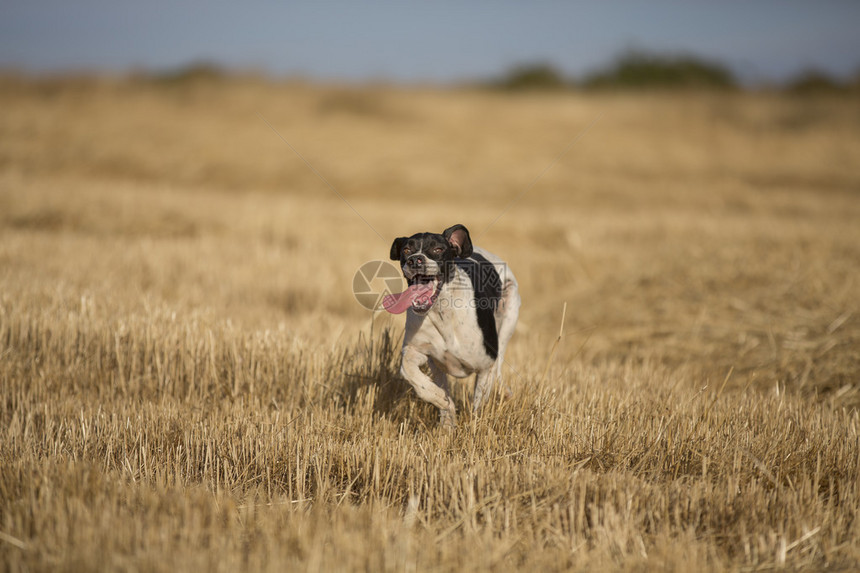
<point>425,41</point>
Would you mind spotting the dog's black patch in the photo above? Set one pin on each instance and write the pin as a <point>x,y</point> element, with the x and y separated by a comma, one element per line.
<point>488,289</point>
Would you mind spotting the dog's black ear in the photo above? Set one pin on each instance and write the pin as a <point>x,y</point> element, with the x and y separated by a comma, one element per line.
<point>458,237</point>
<point>397,246</point>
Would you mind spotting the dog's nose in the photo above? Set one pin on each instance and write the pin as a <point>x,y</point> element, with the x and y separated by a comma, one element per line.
<point>415,262</point>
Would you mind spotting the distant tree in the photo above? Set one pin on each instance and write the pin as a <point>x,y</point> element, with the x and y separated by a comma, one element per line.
<point>854,83</point>
<point>815,81</point>
<point>539,76</point>
<point>646,70</point>
<point>191,73</point>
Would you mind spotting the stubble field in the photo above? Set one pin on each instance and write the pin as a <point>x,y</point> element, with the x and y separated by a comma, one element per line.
<point>187,382</point>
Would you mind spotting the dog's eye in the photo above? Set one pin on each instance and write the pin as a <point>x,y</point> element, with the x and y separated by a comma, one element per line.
<point>438,250</point>
<point>407,251</point>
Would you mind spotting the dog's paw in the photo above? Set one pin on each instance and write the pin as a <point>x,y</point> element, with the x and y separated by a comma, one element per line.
<point>447,419</point>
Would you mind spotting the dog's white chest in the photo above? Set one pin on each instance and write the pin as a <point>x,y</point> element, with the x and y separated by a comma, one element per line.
<point>451,335</point>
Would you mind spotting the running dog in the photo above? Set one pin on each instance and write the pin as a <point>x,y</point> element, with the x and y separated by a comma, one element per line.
<point>461,307</point>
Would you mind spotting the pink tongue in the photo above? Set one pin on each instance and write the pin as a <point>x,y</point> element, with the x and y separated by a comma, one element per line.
<point>398,303</point>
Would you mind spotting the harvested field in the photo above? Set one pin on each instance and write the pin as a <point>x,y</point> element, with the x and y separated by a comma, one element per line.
<point>187,382</point>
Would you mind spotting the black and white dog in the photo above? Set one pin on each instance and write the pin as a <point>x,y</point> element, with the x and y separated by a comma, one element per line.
<point>462,305</point>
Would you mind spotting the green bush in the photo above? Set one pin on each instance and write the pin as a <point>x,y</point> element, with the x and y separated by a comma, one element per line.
<point>645,70</point>
<point>814,82</point>
<point>524,77</point>
<point>196,72</point>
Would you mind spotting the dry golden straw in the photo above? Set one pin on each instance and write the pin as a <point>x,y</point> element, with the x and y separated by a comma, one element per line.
<point>186,382</point>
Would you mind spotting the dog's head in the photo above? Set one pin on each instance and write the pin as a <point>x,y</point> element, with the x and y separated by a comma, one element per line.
<point>426,259</point>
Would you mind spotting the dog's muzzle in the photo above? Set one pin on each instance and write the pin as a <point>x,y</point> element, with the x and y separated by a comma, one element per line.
<point>422,303</point>
<point>425,280</point>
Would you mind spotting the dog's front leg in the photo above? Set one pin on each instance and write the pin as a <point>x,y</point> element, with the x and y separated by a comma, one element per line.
<point>426,388</point>
<point>483,386</point>
<point>447,418</point>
